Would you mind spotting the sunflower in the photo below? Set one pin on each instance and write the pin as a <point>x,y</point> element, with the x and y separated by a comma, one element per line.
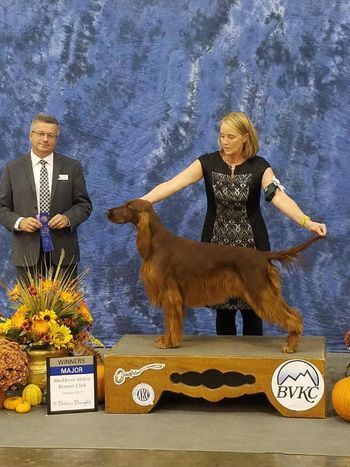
<point>48,315</point>
<point>60,335</point>
<point>5,326</point>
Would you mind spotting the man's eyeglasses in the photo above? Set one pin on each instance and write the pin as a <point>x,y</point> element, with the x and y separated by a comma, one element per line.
<point>42,134</point>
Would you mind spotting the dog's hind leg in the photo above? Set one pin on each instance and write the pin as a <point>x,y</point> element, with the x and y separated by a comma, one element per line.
<point>274,309</point>
<point>173,309</point>
<point>266,300</point>
<point>294,324</point>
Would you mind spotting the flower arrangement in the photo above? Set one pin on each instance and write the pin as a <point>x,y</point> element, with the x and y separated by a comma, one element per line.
<point>347,340</point>
<point>347,345</point>
<point>13,365</point>
<point>50,312</point>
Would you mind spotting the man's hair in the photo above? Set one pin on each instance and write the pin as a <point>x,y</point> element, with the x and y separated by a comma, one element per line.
<point>46,118</point>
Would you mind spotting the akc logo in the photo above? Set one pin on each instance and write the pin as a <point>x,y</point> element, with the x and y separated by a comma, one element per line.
<point>297,385</point>
<point>143,394</point>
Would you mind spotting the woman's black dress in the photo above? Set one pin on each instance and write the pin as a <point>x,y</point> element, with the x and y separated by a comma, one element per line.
<point>233,213</point>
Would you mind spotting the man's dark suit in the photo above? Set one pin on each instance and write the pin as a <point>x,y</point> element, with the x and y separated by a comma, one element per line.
<point>68,197</point>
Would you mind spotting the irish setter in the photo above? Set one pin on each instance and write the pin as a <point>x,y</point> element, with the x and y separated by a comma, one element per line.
<point>178,273</point>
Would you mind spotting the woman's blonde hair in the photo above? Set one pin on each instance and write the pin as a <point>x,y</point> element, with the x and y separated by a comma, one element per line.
<point>240,122</point>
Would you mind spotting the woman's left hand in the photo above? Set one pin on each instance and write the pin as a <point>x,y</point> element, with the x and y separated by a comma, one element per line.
<point>316,227</point>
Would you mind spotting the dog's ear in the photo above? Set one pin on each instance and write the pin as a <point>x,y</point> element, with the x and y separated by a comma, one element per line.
<point>143,240</point>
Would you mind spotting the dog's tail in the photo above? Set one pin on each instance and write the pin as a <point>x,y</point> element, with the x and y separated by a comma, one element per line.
<point>288,256</point>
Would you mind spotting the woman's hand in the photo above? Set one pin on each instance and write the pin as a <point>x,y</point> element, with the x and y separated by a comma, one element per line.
<point>316,227</point>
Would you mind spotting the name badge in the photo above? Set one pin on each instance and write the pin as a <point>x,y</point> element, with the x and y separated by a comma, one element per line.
<point>46,240</point>
<point>63,177</point>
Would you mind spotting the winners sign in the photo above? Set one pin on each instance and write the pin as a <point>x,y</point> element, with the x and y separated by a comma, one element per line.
<point>71,384</point>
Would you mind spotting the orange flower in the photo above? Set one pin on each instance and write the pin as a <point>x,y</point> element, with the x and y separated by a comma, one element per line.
<point>40,327</point>
<point>67,297</point>
<point>48,284</point>
<point>32,290</point>
<point>46,338</point>
<point>85,312</point>
<point>69,322</point>
<point>347,339</point>
<point>14,294</point>
<point>83,335</point>
<point>27,324</point>
<point>19,317</point>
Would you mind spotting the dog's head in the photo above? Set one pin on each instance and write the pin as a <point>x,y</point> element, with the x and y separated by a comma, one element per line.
<point>136,211</point>
<point>129,212</point>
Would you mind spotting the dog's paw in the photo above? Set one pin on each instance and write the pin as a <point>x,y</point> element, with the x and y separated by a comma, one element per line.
<point>287,349</point>
<point>161,343</point>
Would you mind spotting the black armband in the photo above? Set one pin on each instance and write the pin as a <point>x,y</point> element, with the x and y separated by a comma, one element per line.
<point>270,190</point>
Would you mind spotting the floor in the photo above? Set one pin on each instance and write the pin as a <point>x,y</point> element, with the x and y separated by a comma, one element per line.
<point>181,431</point>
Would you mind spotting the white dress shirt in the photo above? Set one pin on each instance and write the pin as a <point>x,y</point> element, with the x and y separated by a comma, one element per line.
<point>36,171</point>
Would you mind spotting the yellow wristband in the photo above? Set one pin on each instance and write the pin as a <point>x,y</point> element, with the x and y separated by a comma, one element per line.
<point>303,220</point>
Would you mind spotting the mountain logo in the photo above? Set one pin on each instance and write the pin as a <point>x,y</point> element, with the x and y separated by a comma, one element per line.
<point>297,385</point>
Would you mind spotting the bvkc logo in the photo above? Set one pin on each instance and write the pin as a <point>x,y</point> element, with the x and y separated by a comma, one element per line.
<point>297,385</point>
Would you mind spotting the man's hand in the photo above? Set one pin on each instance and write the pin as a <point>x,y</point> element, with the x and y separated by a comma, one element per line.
<point>59,221</point>
<point>29,224</point>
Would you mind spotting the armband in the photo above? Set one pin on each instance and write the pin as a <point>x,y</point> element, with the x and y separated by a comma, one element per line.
<point>270,190</point>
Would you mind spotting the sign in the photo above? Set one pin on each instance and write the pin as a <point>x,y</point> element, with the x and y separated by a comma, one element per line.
<point>71,384</point>
<point>297,385</point>
<point>143,394</point>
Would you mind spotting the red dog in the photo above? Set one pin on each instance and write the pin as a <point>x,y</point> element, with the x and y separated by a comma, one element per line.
<point>178,272</point>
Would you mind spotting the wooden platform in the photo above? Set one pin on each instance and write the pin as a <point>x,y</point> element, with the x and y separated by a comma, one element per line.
<point>215,367</point>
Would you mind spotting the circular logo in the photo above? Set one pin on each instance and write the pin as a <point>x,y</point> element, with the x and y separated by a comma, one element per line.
<point>143,394</point>
<point>297,385</point>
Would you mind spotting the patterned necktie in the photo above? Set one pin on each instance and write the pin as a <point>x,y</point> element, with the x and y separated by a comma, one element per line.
<point>44,193</point>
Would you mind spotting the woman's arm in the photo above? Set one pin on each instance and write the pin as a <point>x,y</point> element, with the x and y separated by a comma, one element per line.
<point>290,208</point>
<point>192,174</point>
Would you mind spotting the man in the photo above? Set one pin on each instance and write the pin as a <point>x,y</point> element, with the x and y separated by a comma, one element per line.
<point>43,199</point>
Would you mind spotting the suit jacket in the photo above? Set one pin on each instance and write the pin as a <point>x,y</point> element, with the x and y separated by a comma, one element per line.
<point>18,199</point>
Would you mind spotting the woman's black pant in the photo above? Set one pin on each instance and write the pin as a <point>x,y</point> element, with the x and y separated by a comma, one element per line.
<point>226,323</point>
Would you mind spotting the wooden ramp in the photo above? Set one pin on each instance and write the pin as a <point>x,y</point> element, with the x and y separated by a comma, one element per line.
<point>215,367</point>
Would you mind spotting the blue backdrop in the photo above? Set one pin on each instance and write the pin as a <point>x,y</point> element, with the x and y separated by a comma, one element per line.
<point>139,87</point>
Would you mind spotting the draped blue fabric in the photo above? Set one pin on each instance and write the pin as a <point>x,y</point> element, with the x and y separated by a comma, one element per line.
<point>139,87</point>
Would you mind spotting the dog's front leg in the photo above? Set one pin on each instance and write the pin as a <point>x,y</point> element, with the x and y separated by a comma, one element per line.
<point>173,309</point>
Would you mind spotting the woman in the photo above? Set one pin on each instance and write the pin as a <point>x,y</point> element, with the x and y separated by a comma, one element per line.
<point>233,179</point>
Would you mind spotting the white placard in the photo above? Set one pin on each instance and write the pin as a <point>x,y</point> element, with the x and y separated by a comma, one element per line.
<point>71,384</point>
